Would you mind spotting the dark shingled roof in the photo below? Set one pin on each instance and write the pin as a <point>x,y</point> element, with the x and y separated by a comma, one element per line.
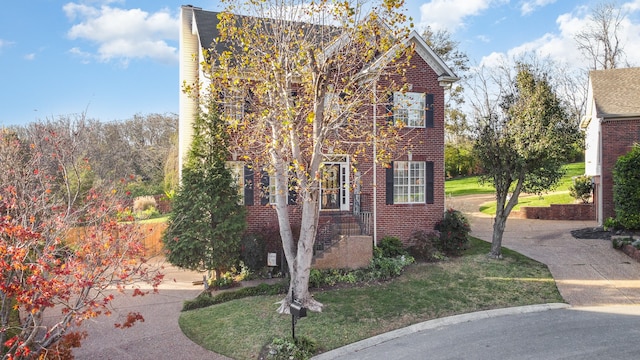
<point>207,22</point>
<point>616,92</point>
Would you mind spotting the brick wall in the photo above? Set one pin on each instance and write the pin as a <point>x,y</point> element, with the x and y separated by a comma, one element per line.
<point>618,136</point>
<point>351,252</point>
<point>401,220</point>
<point>556,212</point>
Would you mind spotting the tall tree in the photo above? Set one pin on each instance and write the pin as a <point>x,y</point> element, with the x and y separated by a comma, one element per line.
<point>457,129</point>
<point>314,69</point>
<point>63,253</point>
<point>600,40</point>
<point>206,222</point>
<point>524,137</point>
<point>459,158</point>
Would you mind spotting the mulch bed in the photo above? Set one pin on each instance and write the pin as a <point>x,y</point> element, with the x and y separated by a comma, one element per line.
<point>600,233</point>
<point>592,233</point>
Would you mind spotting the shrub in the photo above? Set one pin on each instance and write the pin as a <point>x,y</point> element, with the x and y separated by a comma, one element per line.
<point>223,282</point>
<point>391,247</point>
<point>147,214</point>
<point>253,252</point>
<point>142,203</point>
<point>617,243</point>
<point>611,224</point>
<point>581,188</point>
<point>300,348</point>
<point>387,268</point>
<point>626,189</point>
<point>331,277</point>
<point>454,230</point>
<point>422,245</point>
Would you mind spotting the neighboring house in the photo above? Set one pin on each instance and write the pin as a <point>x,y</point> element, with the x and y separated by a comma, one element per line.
<point>386,199</point>
<point>612,124</point>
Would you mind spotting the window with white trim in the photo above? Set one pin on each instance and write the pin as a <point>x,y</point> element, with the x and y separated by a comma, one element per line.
<point>409,109</point>
<point>237,172</point>
<point>408,182</point>
<point>272,189</point>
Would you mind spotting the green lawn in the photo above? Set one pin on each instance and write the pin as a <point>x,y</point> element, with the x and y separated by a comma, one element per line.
<point>471,185</point>
<point>240,328</point>
<point>559,195</point>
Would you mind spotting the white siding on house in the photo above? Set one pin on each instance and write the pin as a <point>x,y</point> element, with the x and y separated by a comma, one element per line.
<point>189,46</point>
<point>592,136</point>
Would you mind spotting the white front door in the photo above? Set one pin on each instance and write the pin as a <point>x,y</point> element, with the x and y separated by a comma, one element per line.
<point>334,192</point>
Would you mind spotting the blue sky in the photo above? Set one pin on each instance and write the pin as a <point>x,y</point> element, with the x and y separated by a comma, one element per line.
<point>116,58</point>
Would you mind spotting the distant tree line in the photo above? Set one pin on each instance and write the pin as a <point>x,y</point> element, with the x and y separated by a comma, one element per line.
<point>142,150</point>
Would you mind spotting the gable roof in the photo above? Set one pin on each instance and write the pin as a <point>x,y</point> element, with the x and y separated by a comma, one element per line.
<point>616,92</point>
<point>206,23</point>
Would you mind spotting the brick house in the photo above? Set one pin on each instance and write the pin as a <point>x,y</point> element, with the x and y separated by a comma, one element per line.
<point>612,124</point>
<point>360,203</point>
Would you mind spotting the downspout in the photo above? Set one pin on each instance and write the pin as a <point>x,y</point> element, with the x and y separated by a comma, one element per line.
<point>375,163</point>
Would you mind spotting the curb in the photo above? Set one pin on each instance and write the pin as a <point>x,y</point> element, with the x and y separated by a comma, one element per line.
<point>435,323</point>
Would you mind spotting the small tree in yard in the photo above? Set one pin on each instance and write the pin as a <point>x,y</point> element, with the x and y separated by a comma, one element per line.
<point>62,259</point>
<point>524,138</point>
<point>581,188</point>
<point>206,223</point>
<point>626,189</point>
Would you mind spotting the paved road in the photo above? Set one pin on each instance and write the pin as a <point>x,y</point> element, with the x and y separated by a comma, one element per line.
<point>569,333</point>
<point>157,338</point>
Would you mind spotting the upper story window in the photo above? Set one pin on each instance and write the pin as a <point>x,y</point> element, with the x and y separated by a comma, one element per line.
<point>234,104</point>
<point>409,109</point>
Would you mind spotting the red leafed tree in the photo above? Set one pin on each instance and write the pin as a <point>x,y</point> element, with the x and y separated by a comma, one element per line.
<point>63,250</point>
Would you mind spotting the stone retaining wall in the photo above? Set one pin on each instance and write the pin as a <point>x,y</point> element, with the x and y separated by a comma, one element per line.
<point>556,212</point>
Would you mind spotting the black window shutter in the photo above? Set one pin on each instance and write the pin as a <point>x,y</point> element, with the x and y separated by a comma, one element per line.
<point>248,101</point>
<point>264,185</point>
<point>389,108</point>
<point>293,195</point>
<point>428,112</point>
<point>389,184</point>
<point>428,174</point>
<point>220,102</point>
<point>248,185</point>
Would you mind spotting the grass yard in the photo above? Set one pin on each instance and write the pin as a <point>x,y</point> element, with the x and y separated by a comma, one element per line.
<point>471,185</point>
<point>562,197</point>
<point>240,328</point>
<point>559,195</point>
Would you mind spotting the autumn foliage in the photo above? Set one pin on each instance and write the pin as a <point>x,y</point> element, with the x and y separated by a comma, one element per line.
<point>43,199</point>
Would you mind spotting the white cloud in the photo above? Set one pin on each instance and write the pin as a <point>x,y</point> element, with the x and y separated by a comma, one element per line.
<point>30,57</point>
<point>5,43</point>
<point>631,6</point>
<point>84,57</point>
<point>483,38</point>
<point>451,14</point>
<point>124,34</point>
<point>528,7</point>
<point>560,45</point>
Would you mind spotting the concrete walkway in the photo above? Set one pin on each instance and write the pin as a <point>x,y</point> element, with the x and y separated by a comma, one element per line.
<point>587,272</point>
